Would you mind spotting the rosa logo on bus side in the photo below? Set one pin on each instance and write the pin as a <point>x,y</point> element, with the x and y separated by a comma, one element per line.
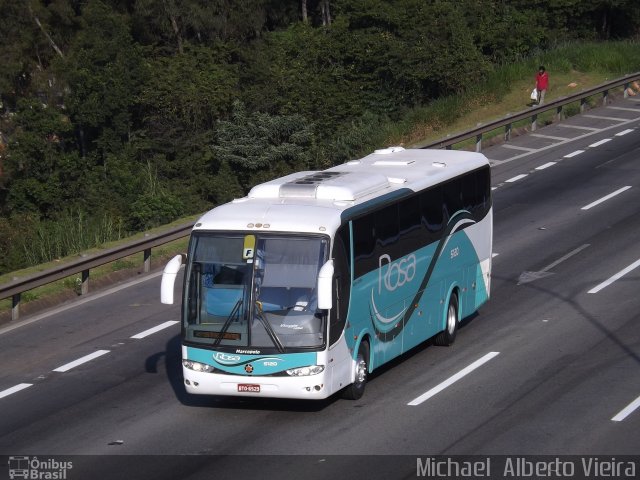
<point>387,328</point>
<point>391,275</point>
<point>396,273</point>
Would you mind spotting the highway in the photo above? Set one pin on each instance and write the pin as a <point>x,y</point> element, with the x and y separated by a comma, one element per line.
<point>550,366</point>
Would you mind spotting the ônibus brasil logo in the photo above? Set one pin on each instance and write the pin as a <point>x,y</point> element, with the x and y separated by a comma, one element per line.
<point>38,469</point>
<point>391,276</point>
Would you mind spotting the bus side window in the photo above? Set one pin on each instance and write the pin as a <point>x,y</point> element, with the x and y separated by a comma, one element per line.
<point>483,190</point>
<point>432,207</point>
<point>411,236</point>
<point>364,245</point>
<point>470,200</point>
<point>386,229</point>
<point>453,197</point>
<point>342,284</point>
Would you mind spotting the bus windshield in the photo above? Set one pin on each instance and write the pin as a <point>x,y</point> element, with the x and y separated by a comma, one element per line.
<point>254,292</point>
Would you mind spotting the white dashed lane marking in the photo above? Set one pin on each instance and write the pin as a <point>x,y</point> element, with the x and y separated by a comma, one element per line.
<point>626,411</point>
<point>606,197</point>
<point>624,132</point>
<point>80,361</point>
<point>153,330</point>
<point>546,165</point>
<point>601,142</point>
<point>516,178</point>
<point>453,379</point>
<point>617,276</point>
<point>573,154</point>
<point>12,390</point>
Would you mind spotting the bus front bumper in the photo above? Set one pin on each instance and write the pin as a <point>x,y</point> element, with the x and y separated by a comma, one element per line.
<point>312,387</point>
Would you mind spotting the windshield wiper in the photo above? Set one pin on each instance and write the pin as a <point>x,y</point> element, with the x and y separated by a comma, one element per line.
<point>232,316</point>
<point>267,326</point>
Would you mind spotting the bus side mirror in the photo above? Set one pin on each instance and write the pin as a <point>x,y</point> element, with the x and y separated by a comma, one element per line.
<point>169,279</point>
<point>325,278</point>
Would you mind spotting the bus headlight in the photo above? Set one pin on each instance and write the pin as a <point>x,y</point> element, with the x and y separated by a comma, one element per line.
<point>305,371</point>
<point>197,366</point>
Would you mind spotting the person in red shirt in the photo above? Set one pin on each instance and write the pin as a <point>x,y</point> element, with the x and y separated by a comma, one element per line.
<point>542,83</point>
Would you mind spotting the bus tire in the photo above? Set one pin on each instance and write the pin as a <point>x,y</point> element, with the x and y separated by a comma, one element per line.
<point>356,389</point>
<point>448,335</point>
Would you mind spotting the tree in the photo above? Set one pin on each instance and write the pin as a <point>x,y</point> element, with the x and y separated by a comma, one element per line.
<point>31,35</point>
<point>177,109</point>
<point>169,24</point>
<point>104,74</point>
<point>259,147</point>
<point>43,172</point>
<point>302,70</point>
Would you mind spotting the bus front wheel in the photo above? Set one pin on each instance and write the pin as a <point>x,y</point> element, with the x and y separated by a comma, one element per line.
<point>356,389</point>
<point>448,335</point>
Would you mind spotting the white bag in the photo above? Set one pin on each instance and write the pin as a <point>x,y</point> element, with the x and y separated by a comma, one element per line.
<point>534,94</point>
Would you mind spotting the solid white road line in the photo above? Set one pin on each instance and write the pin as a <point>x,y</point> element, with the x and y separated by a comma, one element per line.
<point>546,165</point>
<point>625,109</point>
<point>626,411</point>
<point>601,142</point>
<point>451,380</point>
<point>579,127</point>
<point>17,388</point>
<point>624,132</point>
<point>80,361</point>
<point>539,135</point>
<point>153,330</point>
<point>600,117</point>
<point>515,147</point>
<point>516,178</point>
<point>573,154</point>
<point>606,197</point>
<point>617,276</point>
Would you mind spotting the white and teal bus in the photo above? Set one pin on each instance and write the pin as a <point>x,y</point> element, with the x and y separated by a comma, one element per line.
<point>314,280</point>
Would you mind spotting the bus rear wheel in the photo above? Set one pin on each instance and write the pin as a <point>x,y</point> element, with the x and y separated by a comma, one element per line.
<point>356,389</point>
<point>448,335</point>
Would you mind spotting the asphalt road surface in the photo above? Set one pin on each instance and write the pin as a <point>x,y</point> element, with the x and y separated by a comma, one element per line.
<point>550,366</point>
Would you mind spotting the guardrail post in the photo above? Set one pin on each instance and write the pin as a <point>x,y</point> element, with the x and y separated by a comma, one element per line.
<point>605,97</point>
<point>84,288</point>
<point>479,142</point>
<point>147,260</point>
<point>534,122</point>
<point>583,104</point>
<point>559,113</point>
<point>15,307</point>
<point>626,90</point>
<point>448,147</point>
<point>507,132</point>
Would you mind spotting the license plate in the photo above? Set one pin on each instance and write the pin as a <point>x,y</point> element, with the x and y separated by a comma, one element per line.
<point>248,387</point>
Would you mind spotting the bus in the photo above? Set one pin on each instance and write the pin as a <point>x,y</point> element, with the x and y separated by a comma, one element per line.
<point>308,284</point>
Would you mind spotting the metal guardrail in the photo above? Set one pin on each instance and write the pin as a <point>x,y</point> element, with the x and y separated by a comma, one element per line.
<point>15,288</point>
<point>83,265</point>
<point>532,113</point>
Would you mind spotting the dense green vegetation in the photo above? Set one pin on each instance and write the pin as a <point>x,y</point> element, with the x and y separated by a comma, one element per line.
<point>120,115</point>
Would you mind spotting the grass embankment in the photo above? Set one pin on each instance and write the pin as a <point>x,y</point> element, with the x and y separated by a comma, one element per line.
<point>571,68</point>
<point>106,274</point>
